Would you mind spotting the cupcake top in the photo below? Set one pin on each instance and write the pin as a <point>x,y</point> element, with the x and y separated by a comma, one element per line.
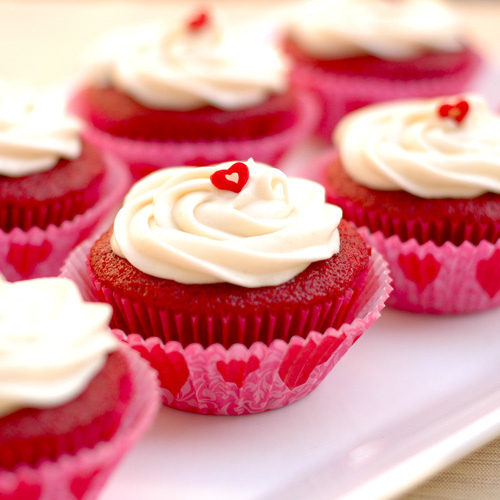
<point>35,131</point>
<point>244,223</point>
<point>51,343</point>
<point>186,65</point>
<point>387,29</point>
<point>446,147</point>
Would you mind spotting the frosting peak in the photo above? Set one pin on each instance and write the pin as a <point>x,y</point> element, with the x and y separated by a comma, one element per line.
<point>51,343</point>
<point>180,68</point>
<point>388,29</point>
<point>447,147</point>
<point>176,224</point>
<point>35,131</point>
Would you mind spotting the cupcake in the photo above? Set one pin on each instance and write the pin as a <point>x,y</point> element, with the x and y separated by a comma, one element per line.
<point>191,92</point>
<point>421,179</point>
<point>351,53</point>
<point>54,187</point>
<point>240,285</point>
<point>73,398</point>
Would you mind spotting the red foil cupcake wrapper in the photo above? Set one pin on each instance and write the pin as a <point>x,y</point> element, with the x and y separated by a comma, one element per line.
<point>240,379</point>
<point>38,253</point>
<point>82,475</point>
<point>144,157</point>
<point>340,94</point>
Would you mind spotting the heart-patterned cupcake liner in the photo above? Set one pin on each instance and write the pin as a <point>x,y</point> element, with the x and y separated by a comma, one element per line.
<point>240,379</point>
<point>143,157</point>
<point>83,474</point>
<point>38,253</point>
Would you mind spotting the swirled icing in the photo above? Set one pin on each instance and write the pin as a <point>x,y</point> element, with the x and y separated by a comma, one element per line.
<point>35,131</point>
<point>406,145</point>
<point>176,224</point>
<point>166,66</point>
<point>51,343</point>
<point>388,29</point>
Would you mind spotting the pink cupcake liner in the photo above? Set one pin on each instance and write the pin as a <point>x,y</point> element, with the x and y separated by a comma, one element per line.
<point>340,94</point>
<point>428,278</point>
<point>144,157</point>
<point>445,279</point>
<point>83,474</point>
<point>38,253</point>
<point>242,380</point>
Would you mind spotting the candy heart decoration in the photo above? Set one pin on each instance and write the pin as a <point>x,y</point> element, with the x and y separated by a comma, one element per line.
<point>223,179</point>
<point>198,22</point>
<point>488,274</point>
<point>456,111</point>
<point>421,271</point>
<point>236,371</point>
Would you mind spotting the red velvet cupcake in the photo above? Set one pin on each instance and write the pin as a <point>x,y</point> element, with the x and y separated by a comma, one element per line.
<point>420,178</point>
<point>72,399</point>
<point>352,53</point>
<point>192,93</point>
<point>234,274</point>
<point>54,187</point>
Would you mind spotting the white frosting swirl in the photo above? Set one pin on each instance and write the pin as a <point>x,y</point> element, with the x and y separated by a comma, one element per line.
<point>172,67</point>
<point>176,225</point>
<point>51,343</point>
<point>406,145</point>
<point>388,29</point>
<point>35,131</point>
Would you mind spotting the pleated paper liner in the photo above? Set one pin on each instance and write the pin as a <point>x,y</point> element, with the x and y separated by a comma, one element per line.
<point>37,253</point>
<point>83,474</point>
<point>240,379</point>
<point>143,157</point>
<point>429,278</point>
<point>340,94</point>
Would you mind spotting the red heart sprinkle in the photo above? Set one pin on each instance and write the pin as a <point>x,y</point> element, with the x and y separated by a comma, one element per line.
<point>220,179</point>
<point>199,21</point>
<point>456,111</point>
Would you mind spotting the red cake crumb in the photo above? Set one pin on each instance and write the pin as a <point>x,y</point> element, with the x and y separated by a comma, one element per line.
<point>409,216</point>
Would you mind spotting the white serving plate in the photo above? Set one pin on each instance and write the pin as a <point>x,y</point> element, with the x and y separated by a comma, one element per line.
<point>413,395</point>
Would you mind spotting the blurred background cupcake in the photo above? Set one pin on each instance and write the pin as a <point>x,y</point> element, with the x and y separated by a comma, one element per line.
<point>356,52</point>
<point>195,90</point>
<point>244,286</point>
<point>73,399</point>
<point>55,189</point>
<point>421,179</point>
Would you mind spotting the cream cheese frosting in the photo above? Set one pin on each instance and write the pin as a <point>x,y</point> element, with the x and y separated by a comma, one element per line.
<point>407,145</point>
<point>51,343</point>
<point>171,66</point>
<point>175,224</point>
<point>388,29</point>
<point>35,130</point>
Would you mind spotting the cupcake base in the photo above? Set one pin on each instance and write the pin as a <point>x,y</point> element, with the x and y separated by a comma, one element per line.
<point>143,157</point>
<point>83,474</point>
<point>38,253</point>
<point>242,380</point>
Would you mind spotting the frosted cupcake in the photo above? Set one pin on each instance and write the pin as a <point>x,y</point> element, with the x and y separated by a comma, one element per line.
<point>54,187</point>
<point>356,52</point>
<point>73,399</point>
<point>422,179</point>
<point>245,287</point>
<point>195,91</point>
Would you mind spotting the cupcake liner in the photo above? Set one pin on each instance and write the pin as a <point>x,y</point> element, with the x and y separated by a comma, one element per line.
<point>242,380</point>
<point>340,94</point>
<point>144,157</point>
<point>83,474</point>
<point>38,253</point>
<point>427,278</point>
<point>445,279</point>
